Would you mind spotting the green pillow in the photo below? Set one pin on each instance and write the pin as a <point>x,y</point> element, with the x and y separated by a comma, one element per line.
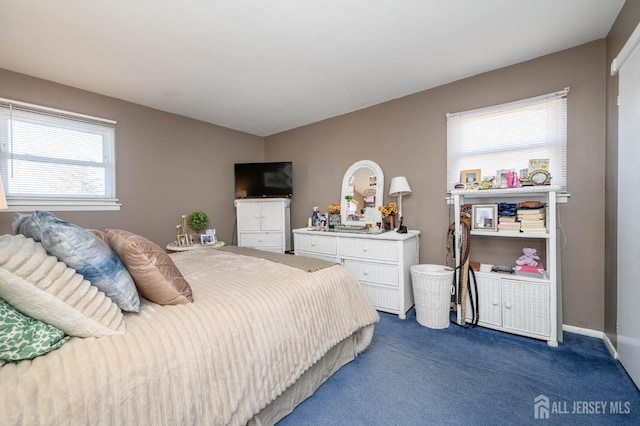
<point>22,337</point>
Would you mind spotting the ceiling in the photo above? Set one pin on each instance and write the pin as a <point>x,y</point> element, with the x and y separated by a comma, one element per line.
<point>266,66</point>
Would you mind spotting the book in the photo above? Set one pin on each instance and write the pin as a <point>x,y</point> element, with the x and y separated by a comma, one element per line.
<point>509,227</point>
<point>531,216</point>
<point>532,224</point>
<point>530,271</point>
<point>532,213</point>
<point>506,219</point>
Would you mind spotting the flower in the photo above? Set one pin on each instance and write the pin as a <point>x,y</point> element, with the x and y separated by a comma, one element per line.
<point>390,210</point>
<point>334,208</point>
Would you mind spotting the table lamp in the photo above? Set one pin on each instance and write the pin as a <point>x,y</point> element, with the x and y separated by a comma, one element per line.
<point>399,187</point>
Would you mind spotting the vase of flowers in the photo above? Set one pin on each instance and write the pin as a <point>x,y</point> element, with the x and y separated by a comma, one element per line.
<point>389,215</point>
<point>334,215</point>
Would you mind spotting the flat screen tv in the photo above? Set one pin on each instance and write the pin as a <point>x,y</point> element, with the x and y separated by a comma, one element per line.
<point>264,179</point>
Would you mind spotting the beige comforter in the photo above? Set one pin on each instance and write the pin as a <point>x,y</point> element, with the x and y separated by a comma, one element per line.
<point>254,328</point>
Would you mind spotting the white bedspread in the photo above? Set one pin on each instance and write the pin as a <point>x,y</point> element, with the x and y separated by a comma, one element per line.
<point>255,326</point>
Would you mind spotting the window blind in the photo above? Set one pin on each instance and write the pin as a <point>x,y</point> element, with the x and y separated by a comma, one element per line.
<point>507,136</point>
<point>49,154</point>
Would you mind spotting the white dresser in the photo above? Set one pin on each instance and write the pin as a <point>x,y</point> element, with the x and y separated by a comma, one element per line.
<point>264,223</point>
<point>380,262</point>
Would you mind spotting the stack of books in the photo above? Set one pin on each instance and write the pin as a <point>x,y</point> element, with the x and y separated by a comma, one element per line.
<point>532,220</point>
<point>508,224</point>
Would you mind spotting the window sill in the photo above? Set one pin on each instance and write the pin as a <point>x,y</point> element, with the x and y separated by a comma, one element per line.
<point>61,204</point>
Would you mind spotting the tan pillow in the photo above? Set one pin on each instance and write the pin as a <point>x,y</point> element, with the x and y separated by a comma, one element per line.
<point>43,288</point>
<point>156,276</point>
<point>100,234</point>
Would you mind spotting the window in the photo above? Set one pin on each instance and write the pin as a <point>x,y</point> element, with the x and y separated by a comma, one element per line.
<point>507,136</point>
<point>56,160</point>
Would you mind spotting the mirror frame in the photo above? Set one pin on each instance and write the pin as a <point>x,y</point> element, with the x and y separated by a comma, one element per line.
<point>375,168</point>
<point>540,177</point>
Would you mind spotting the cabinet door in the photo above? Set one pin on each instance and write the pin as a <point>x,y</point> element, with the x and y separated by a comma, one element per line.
<point>526,306</point>
<point>490,300</point>
<point>249,216</point>
<point>271,216</point>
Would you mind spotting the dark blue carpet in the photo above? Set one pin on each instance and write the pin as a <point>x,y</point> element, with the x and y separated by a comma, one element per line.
<point>413,375</point>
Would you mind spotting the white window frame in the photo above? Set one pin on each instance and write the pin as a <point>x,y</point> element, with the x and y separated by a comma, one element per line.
<point>9,110</point>
<point>507,136</point>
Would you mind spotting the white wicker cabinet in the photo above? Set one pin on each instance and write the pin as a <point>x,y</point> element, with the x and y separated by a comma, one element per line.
<point>380,262</point>
<point>516,304</point>
<point>264,223</point>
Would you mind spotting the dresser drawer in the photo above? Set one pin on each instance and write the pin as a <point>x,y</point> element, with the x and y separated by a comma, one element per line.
<point>375,273</point>
<point>315,244</point>
<point>260,239</point>
<point>326,257</point>
<point>384,299</point>
<point>369,249</point>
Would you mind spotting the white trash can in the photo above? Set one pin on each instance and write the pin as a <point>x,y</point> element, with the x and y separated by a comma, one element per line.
<point>432,294</point>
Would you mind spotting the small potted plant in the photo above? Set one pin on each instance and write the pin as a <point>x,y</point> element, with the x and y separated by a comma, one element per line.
<point>198,221</point>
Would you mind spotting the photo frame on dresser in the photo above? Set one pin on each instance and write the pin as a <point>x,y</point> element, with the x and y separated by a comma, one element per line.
<point>484,217</point>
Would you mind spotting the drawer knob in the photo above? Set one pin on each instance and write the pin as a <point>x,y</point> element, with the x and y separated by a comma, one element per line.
<point>313,244</point>
<point>365,273</point>
<point>507,305</point>
<point>364,249</point>
<point>494,303</point>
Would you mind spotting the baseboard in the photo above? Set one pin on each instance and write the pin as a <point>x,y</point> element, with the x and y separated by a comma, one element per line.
<point>593,333</point>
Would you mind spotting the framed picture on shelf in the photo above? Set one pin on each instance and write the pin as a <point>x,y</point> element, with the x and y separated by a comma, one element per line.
<point>538,164</point>
<point>468,177</point>
<point>183,240</point>
<point>484,217</point>
<point>207,239</point>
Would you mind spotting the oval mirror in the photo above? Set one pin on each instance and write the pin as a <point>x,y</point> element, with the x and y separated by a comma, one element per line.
<point>362,193</point>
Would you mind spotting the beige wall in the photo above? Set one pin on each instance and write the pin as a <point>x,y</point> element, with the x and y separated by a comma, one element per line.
<point>167,165</point>
<point>407,137</point>
<point>622,28</point>
<point>170,165</point>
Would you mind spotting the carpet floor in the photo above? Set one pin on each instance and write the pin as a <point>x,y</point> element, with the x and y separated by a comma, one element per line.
<point>414,375</point>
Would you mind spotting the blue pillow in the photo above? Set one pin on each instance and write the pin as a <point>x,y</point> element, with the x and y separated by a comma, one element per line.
<point>81,250</point>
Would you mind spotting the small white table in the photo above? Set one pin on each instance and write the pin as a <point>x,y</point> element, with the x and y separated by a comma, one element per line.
<point>176,247</point>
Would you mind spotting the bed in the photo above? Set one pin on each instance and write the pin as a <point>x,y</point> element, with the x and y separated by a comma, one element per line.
<point>261,334</point>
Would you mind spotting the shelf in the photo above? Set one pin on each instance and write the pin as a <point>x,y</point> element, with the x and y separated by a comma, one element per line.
<point>515,277</point>
<point>521,192</point>
<point>526,305</point>
<point>507,234</point>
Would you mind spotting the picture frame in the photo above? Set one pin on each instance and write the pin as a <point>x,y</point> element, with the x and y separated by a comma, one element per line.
<point>183,240</point>
<point>484,217</point>
<point>538,164</point>
<point>207,239</point>
<point>469,177</point>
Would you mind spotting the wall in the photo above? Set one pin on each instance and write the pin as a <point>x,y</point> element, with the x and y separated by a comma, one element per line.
<point>166,165</point>
<point>407,136</point>
<point>622,28</point>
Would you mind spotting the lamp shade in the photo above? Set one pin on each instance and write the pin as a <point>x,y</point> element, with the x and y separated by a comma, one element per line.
<point>399,186</point>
